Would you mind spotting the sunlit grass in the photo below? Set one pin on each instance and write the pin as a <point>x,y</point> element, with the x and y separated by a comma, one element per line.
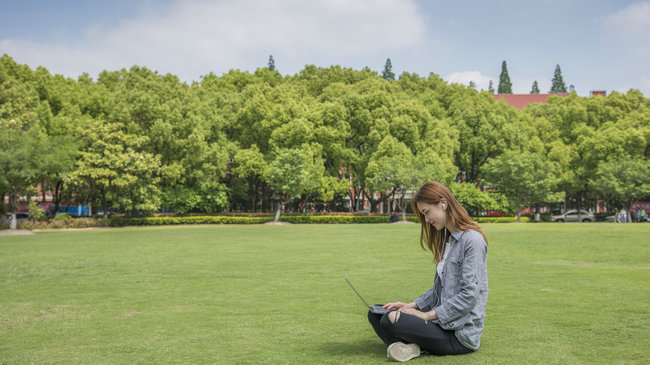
<point>559,293</point>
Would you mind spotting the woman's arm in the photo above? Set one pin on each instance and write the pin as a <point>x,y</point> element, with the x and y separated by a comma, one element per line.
<point>399,305</point>
<point>466,296</point>
<point>425,316</point>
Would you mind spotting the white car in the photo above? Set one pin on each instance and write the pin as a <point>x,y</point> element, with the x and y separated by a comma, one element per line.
<point>574,216</point>
<point>20,217</point>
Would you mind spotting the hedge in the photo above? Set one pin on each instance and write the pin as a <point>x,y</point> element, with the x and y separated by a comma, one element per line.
<point>335,219</point>
<point>158,221</point>
<point>297,219</point>
<point>59,224</point>
<point>500,219</point>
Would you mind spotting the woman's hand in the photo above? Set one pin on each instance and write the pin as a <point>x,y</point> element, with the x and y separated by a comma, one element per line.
<point>399,305</point>
<point>425,316</point>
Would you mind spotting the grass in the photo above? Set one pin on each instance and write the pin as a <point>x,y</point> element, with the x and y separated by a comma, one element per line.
<point>559,293</point>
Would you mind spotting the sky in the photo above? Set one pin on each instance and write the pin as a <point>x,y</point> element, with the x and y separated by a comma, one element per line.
<point>599,44</point>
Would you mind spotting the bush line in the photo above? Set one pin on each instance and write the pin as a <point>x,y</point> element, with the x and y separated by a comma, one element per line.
<point>296,219</point>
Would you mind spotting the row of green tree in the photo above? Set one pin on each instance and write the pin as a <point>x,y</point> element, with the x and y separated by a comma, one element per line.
<point>325,138</point>
<point>505,85</point>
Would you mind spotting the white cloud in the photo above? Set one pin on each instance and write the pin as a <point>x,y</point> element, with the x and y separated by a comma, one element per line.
<point>195,37</point>
<point>481,81</point>
<point>631,26</point>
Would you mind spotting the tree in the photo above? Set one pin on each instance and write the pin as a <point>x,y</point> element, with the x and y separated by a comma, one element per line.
<point>271,63</point>
<point>491,87</point>
<point>390,169</point>
<point>19,161</point>
<point>477,121</point>
<point>248,169</point>
<point>388,74</point>
<point>505,86</point>
<point>476,201</point>
<point>535,89</point>
<point>294,172</point>
<point>558,85</point>
<point>21,133</point>
<point>113,166</point>
<point>525,177</point>
<point>393,169</point>
<point>472,84</point>
<point>623,180</point>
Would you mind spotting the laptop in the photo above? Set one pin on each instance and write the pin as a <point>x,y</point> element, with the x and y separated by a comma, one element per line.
<point>373,308</point>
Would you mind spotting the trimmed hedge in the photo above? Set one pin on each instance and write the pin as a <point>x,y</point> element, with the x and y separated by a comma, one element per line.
<point>159,221</point>
<point>335,219</point>
<point>500,219</point>
<point>60,224</point>
<point>297,219</point>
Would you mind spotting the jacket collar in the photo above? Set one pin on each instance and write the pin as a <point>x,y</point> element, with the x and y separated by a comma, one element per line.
<point>456,235</point>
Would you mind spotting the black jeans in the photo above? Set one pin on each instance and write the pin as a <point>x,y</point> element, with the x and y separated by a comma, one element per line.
<point>430,336</point>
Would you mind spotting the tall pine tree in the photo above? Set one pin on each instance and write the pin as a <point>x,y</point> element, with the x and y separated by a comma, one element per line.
<point>505,86</point>
<point>491,87</point>
<point>388,71</point>
<point>535,89</point>
<point>558,84</point>
<point>271,63</point>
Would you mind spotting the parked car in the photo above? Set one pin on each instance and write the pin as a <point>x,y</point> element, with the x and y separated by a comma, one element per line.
<point>574,216</point>
<point>20,217</point>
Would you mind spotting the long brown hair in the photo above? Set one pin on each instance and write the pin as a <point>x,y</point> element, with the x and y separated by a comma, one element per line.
<point>431,193</point>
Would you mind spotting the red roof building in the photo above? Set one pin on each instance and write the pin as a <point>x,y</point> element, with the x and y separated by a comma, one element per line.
<point>519,101</point>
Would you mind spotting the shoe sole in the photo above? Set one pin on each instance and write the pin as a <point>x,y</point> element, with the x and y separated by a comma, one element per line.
<point>401,352</point>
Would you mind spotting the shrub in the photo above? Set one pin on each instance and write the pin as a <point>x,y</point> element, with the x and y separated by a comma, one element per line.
<point>500,219</point>
<point>335,219</point>
<point>36,212</point>
<point>60,223</point>
<point>157,221</point>
<point>63,217</point>
<point>296,219</point>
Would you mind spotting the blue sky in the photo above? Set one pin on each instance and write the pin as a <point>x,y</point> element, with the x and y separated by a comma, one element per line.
<point>599,44</point>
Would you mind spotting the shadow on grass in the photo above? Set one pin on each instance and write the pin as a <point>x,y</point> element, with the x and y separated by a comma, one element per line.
<point>359,348</point>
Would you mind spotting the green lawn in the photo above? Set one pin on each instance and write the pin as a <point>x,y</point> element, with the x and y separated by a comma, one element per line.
<point>559,293</point>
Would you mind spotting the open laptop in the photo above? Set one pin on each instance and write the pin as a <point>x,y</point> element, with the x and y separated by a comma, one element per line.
<point>373,308</point>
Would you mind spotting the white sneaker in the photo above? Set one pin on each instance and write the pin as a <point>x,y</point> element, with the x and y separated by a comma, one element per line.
<point>399,351</point>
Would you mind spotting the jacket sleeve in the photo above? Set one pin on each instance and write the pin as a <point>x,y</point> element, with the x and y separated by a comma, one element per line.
<point>452,313</point>
<point>425,301</point>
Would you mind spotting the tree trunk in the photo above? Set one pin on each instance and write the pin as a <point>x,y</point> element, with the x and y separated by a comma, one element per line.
<point>373,202</point>
<point>57,196</point>
<point>403,206</point>
<point>2,204</point>
<point>13,205</point>
<point>629,211</point>
<point>105,206</point>
<point>357,195</point>
<point>277,212</point>
<point>43,192</point>
<point>518,213</point>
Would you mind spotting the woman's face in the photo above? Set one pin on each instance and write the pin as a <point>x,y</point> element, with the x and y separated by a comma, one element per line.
<point>433,214</point>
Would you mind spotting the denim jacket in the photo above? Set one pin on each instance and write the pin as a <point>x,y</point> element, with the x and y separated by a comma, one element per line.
<point>459,297</point>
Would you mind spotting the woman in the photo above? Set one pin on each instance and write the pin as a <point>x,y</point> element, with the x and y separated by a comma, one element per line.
<point>448,319</point>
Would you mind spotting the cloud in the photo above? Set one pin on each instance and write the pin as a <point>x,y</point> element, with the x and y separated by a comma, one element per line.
<point>631,26</point>
<point>191,38</point>
<point>481,81</point>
